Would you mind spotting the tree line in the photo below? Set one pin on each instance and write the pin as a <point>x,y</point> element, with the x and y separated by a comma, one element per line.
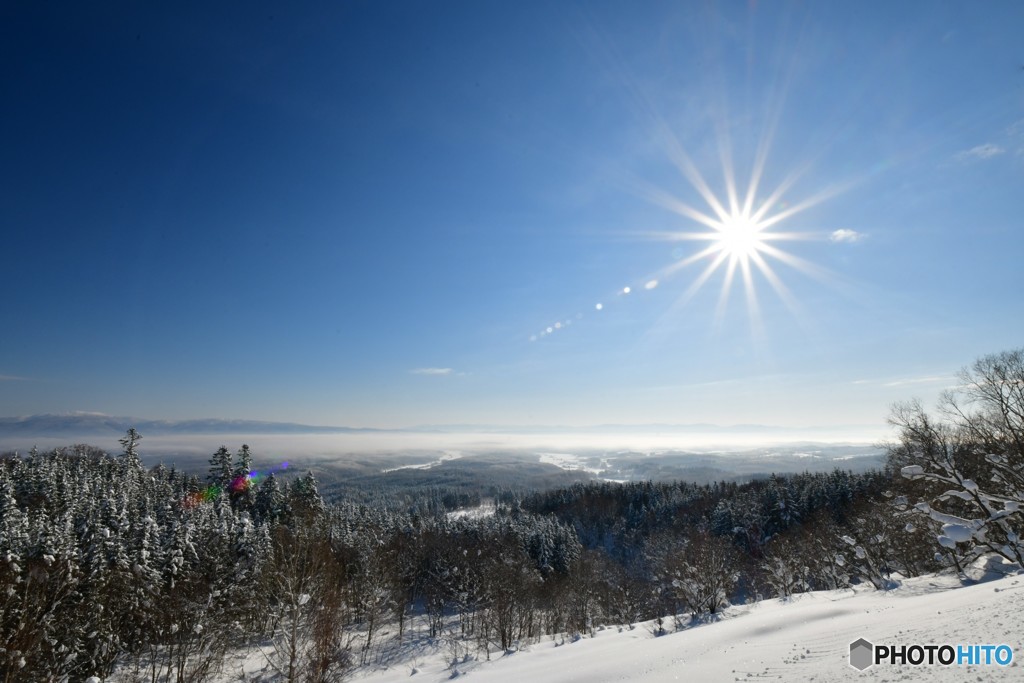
<point>106,564</point>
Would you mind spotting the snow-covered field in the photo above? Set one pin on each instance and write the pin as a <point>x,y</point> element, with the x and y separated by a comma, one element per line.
<point>445,457</point>
<point>803,639</point>
<point>571,462</point>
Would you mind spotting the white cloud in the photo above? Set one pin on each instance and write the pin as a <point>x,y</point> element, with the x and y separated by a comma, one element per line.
<point>846,235</point>
<point>13,378</point>
<point>431,371</point>
<point>986,151</point>
<point>933,379</point>
<point>906,381</point>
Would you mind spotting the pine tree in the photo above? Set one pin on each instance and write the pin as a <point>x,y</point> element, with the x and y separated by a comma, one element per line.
<point>269,504</point>
<point>130,443</point>
<point>220,469</point>
<point>304,497</point>
<point>242,494</point>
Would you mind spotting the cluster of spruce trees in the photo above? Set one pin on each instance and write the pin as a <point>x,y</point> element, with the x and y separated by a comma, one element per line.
<point>105,564</point>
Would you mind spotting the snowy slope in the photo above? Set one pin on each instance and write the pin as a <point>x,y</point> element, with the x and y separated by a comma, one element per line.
<point>805,639</point>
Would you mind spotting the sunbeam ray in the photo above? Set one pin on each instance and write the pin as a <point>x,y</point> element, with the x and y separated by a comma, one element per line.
<point>742,237</point>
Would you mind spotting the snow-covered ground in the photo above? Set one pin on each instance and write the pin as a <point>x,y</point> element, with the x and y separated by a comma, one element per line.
<point>803,639</point>
<point>445,457</point>
<point>599,466</point>
<point>485,509</point>
<point>569,462</point>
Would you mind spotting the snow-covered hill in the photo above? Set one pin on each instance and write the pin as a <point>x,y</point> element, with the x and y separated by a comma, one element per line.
<point>803,639</point>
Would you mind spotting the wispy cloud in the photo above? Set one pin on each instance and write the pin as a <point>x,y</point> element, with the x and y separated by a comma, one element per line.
<point>906,381</point>
<point>986,151</point>
<point>431,371</point>
<point>846,235</point>
<point>918,380</point>
<point>1015,132</point>
<point>14,378</point>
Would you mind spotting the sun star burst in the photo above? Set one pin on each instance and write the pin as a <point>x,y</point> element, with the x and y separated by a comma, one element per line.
<point>740,235</point>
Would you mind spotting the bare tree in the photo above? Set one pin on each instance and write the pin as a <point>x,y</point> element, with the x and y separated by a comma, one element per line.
<point>307,642</point>
<point>699,571</point>
<point>965,471</point>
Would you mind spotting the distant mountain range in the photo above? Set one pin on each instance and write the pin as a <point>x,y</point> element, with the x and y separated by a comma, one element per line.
<point>90,424</point>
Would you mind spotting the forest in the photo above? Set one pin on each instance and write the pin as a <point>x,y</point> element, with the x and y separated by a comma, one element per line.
<point>107,565</point>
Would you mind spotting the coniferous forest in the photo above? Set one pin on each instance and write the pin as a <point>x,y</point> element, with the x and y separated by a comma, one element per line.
<point>107,565</point>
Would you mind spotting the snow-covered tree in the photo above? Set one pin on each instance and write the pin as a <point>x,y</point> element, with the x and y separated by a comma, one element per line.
<point>269,504</point>
<point>241,490</point>
<point>219,475</point>
<point>130,444</point>
<point>965,470</point>
<point>304,497</point>
<point>699,571</point>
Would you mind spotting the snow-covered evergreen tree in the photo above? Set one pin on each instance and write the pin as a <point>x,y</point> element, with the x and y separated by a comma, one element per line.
<point>219,475</point>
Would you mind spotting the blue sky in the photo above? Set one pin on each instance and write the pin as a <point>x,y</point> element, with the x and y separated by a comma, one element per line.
<point>370,213</point>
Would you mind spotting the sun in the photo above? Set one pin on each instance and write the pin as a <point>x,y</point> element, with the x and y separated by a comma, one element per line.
<point>739,237</point>
<point>741,231</point>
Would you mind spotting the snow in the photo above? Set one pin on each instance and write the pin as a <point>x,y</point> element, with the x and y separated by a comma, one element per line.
<point>958,532</point>
<point>486,509</point>
<point>445,457</point>
<point>568,462</point>
<point>912,471</point>
<point>804,638</point>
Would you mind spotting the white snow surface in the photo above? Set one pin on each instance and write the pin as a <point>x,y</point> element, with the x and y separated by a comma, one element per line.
<point>486,509</point>
<point>445,457</point>
<point>806,638</point>
<point>568,461</point>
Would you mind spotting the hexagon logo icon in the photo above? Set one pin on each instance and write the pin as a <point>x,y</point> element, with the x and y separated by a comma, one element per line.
<point>861,654</point>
